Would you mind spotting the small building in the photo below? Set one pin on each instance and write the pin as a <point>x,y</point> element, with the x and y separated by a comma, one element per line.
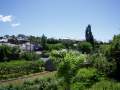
<point>21,40</point>
<point>31,47</point>
<point>3,40</point>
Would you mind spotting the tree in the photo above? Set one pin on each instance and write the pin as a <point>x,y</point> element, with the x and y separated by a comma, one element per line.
<point>35,40</point>
<point>114,54</point>
<point>67,43</point>
<point>44,41</point>
<point>69,67</point>
<point>21,36</point>
<point>9,53</point>
<point>85,47</point>
<point>89,36</point>
<point>57,46</point>
<point>5,52</point>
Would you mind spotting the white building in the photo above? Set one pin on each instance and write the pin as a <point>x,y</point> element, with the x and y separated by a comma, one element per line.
<point>3,40</point>
<point>30,47</point>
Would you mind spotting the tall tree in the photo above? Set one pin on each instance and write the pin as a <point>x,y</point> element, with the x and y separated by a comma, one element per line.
<point>89,36</point>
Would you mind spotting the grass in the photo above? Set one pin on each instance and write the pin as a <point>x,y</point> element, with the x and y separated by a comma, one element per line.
<point>14,69</point>
<point>106,85</point>
<point>21,80</point>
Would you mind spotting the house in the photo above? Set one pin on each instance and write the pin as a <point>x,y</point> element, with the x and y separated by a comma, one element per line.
<point>31,47</point>
<point>3,40</point>
<point>22,40</point>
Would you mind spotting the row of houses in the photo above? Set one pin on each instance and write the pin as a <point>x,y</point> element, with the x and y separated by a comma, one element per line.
<point>23,43</point>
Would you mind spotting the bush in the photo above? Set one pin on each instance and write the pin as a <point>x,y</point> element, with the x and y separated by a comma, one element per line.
<point>85,47</point>
<point>8,53</point>
<point>78,86</point>
<point>87,76</point>
<point>105,85</point>
<point>57,46</point>
<point>45,54</point>
<point>57,56</point>
<point>114,55</point>
<point>100,62</point>
<point>30,56</point>
<point>69,67</point>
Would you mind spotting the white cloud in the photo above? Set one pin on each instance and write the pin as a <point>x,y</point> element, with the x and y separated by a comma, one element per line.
<point>7,18</point>
<point>15,24</point>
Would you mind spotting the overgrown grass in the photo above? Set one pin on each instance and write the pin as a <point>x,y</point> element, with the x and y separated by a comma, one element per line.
<point>46,82</point>
<point>15,69</point>
<point>106,85</point>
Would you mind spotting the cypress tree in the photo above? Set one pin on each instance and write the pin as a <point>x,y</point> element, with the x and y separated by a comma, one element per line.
<point>89,36</point>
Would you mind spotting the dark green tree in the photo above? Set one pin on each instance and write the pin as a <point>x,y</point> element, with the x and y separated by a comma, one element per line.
<point>89,36</point>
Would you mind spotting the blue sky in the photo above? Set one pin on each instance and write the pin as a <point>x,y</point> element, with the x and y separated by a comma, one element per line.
<point>60,18</point>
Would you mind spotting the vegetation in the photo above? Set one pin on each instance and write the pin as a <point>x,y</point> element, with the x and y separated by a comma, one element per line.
<point>106,85</point>
<point>69,67</point>
<point>85,47</point>
<point>15,69</point>
<point>44,41</point>
<point>80,65</point>
<point>30,56</point>
<point>7,53</point>
<point>89,36</point>
<point>57,46</point>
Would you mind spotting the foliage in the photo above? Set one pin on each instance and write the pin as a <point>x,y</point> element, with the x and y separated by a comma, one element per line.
<point>105,49</point>
<point>105,85</point>
<point>78,86</point>
<point>15,69</point>
<point>35,40</point>
<point>68,43</point>
<point>85,47</point>
<point>114,55</point>
<point>7,53</point>
<point>30,56</point>
<point>45,54</point>
<point>15,53</point>
<point>44,41</point>
<point>100,62</point>
<point>37,84</point>
<point>87,76</point>
<point>68,68</point>
<point>57,46</point>
<point>52,41</point>
<point>89,36</point>
<point>57,56</point>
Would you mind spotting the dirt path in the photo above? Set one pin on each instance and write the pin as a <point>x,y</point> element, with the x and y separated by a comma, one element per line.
<point>20,80</point>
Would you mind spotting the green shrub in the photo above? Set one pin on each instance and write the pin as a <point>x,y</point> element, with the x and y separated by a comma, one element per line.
<point>100,62</point>
<point>78,86</point>
<point>87,76</point>
<point>85,47</point>
<point>69,67</point>
<point>56,57</point>
<point>30,56</point>
<point>57,46</point>
<point>45,54</point>
<point>8,53</point>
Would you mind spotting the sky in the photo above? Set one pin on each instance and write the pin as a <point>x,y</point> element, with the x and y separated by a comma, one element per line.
<point>60,18</point>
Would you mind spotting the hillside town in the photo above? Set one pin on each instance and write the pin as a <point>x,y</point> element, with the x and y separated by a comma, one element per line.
<point>22,42</point>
